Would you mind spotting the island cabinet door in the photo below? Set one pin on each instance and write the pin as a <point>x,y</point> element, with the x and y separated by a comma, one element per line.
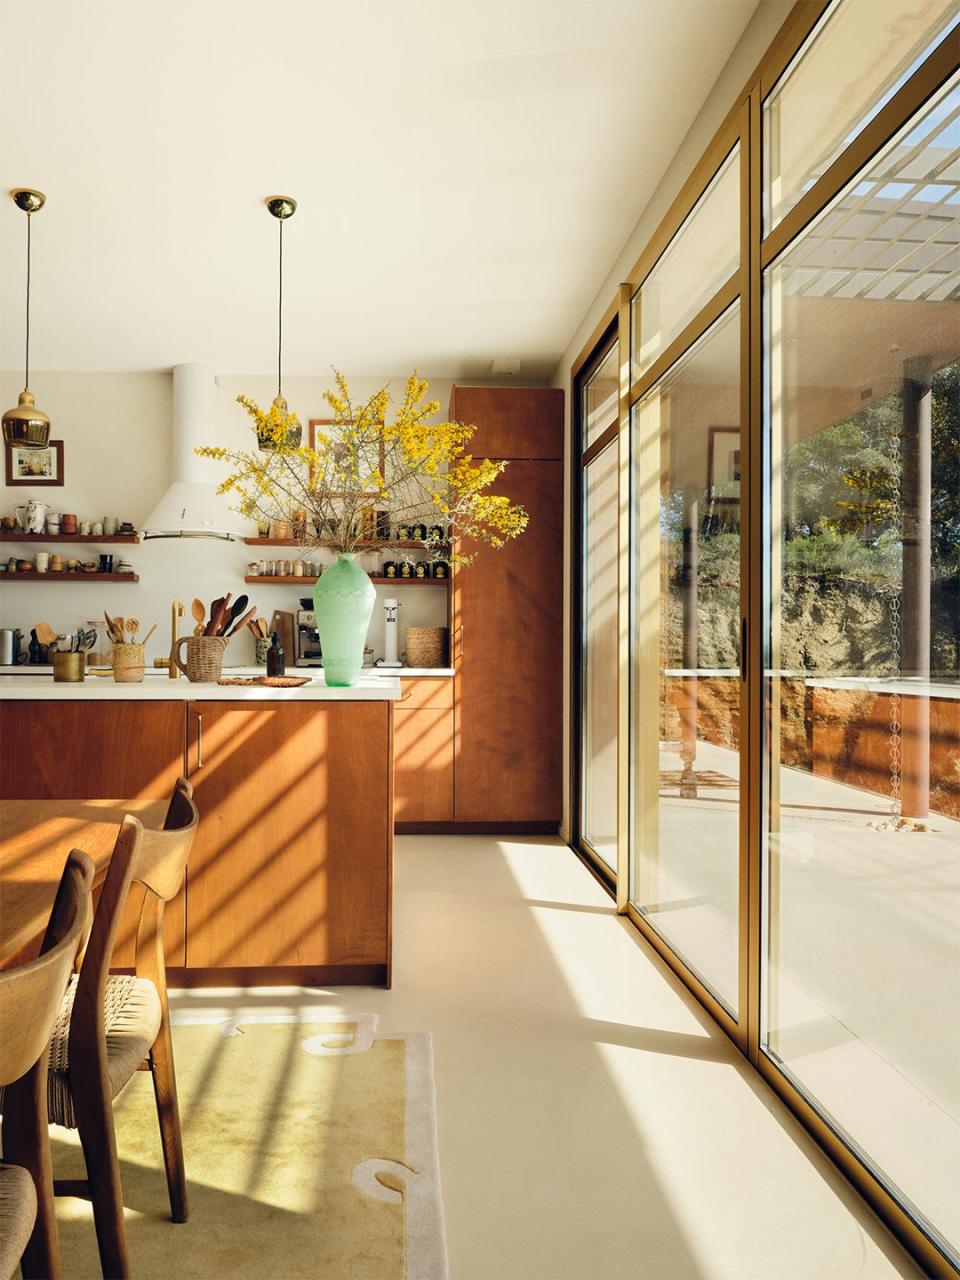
<point>508,628</point>
<point>86,750</point>
<point>292,861</point>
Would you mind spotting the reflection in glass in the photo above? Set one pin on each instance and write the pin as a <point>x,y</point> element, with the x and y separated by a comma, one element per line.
<point>685,680</point>
<point>862,861</point>
<point>853,63</point>
<point>598,822</point>
<point>701,257</point>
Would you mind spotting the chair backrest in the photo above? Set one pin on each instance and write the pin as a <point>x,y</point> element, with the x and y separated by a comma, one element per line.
<point>161,861</point>
<point>158,860</point>
<point>30,995</point>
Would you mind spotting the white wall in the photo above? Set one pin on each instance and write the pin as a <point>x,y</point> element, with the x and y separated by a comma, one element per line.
<point>756,39</point>
<point>116,430</point>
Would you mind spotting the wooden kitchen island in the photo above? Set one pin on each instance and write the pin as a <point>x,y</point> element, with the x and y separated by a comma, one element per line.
<point>290,877</point>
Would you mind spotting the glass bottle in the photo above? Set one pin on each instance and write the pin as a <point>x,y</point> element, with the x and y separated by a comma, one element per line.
<point>276,658</point>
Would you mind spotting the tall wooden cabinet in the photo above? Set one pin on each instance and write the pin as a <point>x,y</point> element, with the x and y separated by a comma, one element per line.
<point>507,636</point>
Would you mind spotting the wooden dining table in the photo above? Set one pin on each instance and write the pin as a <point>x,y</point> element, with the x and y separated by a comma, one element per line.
<point>35,838</point>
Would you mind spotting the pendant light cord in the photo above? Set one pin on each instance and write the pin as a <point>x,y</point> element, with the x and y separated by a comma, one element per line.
<point>280,317</point>
<point>26,358</point>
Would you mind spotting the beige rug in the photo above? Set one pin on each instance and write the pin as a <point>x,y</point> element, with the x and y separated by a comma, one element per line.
<point>310,1148</point>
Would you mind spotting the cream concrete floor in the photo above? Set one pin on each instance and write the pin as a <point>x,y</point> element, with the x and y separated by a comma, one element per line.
<point>593,1122</point>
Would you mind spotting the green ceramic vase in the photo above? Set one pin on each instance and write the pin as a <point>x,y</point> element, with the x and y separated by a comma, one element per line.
<point>343,602</point>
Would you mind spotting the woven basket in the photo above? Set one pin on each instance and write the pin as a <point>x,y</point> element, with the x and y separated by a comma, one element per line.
<point>128,663</point>
<point>204,657</point>
<point>427,646</point>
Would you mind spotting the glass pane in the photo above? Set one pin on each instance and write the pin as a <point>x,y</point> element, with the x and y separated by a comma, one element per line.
<point>598,821</point>
<point>685,680</point>
<point>862,864</point>
<point>854,61</point>
<point>601,397</point>
<point>701,257</point>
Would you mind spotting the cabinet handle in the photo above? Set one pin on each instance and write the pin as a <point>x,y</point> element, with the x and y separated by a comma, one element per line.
<point>459,653</point>
<point>199,740</point>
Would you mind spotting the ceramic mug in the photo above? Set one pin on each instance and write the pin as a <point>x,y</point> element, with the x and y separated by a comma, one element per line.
<point>97,528</point>
<point>85,528</point>
<point>42,561</point>
<point>110,526</point>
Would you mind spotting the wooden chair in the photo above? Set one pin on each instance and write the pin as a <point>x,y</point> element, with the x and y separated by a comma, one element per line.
<point>30,999</point>
<point>110,1023</point>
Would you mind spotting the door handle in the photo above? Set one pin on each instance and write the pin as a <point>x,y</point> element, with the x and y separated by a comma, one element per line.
<point>199,740</point>
<point>743,650</point>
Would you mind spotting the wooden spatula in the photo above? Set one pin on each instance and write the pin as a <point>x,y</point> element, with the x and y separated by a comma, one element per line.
<point>45,633</point>
<point>199,614</point>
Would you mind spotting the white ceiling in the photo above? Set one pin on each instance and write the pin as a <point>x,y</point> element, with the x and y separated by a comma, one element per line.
<point>467,171</point>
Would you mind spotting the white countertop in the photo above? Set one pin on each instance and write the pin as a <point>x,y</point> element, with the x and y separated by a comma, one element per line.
<point>41,669</point>
<point>160,688</point>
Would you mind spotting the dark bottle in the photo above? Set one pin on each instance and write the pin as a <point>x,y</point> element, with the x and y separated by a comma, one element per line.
<point>33,648</point>
<point>276,658</point>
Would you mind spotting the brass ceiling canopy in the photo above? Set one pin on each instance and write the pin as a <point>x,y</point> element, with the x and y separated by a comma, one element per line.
<point>26,425</point>
<point>281,207</point>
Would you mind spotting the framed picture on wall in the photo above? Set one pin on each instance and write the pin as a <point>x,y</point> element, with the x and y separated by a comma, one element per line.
<point>723,465</point>
<point>377,460</point>
<point>35,466</point>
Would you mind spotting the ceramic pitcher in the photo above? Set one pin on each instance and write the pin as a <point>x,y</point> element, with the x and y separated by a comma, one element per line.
<point>32,517</point>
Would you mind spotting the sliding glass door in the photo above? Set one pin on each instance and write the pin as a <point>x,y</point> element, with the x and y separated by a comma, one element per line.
<point>599,684</point>
<point>685,701</point>
<point>861,1002</point>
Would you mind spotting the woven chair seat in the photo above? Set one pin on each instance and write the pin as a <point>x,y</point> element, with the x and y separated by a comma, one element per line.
<point>132,1019</point>
<point>18,1212</point>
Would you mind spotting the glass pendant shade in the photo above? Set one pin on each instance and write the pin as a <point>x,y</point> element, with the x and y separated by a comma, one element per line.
<point>26,425</point>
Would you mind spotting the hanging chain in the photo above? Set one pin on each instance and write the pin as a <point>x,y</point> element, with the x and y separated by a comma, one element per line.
<point>26,357</point>
<point>896,725</point>
<point>280,315</point>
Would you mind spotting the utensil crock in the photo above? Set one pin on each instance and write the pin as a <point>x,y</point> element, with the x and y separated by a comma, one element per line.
<point>204,657</point>
<point>69,668</point>
<point>129,662</point>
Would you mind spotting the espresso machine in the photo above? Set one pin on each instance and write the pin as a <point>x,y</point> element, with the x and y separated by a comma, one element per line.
<point>306,640</point>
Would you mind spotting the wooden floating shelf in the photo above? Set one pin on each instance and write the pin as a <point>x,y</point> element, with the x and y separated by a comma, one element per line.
<point>361,546</point>
<point>64,575</point>
<point>275,580</point>
<point>98,539</point>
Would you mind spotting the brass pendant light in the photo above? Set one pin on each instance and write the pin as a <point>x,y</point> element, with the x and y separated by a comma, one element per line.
<point>26,425</point>
<point>282,208</point>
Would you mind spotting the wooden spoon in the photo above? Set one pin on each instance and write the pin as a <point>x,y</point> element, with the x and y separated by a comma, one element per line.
<point>238,606</point>
<point>247,617</point>
<point>199,614</point>
<point>214,610</point>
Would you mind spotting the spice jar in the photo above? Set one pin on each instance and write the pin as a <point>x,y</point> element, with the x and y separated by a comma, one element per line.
<point>441,569</point>
<point>390,569</point>
<point>421,569</point>
<point>406,569</point>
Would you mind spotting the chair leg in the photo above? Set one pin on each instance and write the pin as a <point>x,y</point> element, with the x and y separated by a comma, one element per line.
<point>26,1142</point>
<point>168,1114</point>
<point>98,1139</point>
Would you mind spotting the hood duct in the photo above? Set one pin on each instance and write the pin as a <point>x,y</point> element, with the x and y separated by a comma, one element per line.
<point>191,507</point>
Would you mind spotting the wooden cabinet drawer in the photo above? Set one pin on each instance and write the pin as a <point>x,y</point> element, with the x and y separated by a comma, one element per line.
<point>423,768</point>
<point>426,691</point>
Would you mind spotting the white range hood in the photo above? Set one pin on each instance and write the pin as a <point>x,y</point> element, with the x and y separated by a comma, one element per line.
<point>191,507</point>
